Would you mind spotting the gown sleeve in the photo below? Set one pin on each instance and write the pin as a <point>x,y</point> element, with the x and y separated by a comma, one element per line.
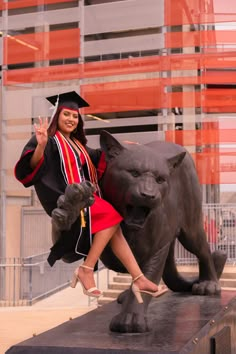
<point>23,171</point>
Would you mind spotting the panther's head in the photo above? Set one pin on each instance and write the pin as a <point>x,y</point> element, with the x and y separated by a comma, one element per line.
<point>136,179</point>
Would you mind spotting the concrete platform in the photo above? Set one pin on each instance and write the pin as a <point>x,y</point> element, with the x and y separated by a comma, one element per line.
<point>180,324</point>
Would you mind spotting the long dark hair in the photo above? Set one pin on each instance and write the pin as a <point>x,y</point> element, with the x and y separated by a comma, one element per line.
<point>78,133</point>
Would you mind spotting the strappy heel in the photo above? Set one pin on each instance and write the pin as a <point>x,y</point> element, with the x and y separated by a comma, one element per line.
<point>138,293</point>
<point>76,279</point>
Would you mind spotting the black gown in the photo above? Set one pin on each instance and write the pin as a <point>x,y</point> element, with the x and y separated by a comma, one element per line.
<point>49,183</point>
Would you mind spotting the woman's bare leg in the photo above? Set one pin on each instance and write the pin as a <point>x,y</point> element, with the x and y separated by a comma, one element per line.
<point>100,240</point>
<point>122,251</point>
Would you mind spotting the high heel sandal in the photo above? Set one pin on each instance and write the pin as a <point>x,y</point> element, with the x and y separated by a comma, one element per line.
<point>76,279</point>
<point>138,293</point>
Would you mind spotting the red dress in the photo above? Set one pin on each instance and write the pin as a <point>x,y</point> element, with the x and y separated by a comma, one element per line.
<point>103,214</point>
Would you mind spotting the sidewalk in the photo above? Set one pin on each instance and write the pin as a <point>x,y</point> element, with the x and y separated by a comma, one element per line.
<point>20,323</point>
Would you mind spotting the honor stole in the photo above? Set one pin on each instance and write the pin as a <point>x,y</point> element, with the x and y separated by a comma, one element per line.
<point>73,173</point>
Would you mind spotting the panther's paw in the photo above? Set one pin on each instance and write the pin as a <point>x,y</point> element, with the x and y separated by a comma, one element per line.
<point>129,322</point>
<point>60,219</point>
<point>206,287</point>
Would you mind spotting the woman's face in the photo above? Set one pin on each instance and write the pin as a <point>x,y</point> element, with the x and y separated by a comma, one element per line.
<point>67,121</point>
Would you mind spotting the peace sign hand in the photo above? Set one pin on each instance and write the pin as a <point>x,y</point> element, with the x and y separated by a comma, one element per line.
<point>41,132</point>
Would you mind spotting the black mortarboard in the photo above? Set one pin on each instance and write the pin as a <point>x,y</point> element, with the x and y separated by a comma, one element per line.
<point>68,99</point>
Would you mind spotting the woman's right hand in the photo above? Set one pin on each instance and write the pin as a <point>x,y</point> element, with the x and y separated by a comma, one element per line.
<point>41,131</point>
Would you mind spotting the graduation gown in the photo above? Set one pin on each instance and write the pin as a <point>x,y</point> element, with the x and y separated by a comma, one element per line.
<point>48,179</point>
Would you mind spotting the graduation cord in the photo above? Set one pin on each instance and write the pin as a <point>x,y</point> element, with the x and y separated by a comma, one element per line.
<point>81,172</point>
<point>82,176</point>
<point>92,172</point>
<point>71,175</point>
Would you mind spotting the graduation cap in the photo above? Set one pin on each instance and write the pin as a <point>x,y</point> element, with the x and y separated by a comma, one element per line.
<point>70,100</point>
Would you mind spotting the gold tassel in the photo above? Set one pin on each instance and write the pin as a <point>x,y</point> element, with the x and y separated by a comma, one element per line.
<point>83,222</point>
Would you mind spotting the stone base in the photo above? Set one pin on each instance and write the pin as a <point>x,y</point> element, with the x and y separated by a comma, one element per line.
<point>179,324</point>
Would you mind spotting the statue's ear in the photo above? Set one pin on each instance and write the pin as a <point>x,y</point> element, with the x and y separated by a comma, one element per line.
<point>175,161</point>
<point>110,145</point>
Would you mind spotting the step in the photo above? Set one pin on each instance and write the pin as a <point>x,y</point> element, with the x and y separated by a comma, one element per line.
<point>231,275</point>
<point>228,272</point>
<point>103,300</point>
<point>118,285</point>
<point>230,283</point>
<point>109,295</point>
<point>122,279</point>
<point>116,288</point>
<point>225,288</point>
<point>113,293</point>
<point>121,286</point>
<point>122,282</point>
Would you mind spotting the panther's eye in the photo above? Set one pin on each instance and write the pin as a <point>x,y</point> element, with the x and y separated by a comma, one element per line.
<point>160,180</point>
<point>134,173</point>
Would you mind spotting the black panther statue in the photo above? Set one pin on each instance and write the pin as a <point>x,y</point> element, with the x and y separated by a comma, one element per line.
<point>155,188</point>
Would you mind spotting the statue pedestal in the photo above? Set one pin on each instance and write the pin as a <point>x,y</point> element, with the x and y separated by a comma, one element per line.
<point>179,323</point>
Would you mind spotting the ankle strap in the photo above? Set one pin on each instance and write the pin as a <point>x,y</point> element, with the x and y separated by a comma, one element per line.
<point>87,267</point>
<point>139,276</point>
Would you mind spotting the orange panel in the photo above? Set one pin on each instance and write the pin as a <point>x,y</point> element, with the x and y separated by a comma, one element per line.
<point>88,70</point>
<point>219,101</point>
<point>220,98</point>
<point>122,66</point>
<point>207,99</point>
<point>182,12</point>
<point>201,137</point>
<point>220,109</point>
<point>212,125</point>
<point>210,100</point>
<point>181,62</point>
<point>182,99</point>
<point>199,38</point>
<point>135,95</point>
<point>219,60</point>
<point>131,66</point>
<point>216,167</point>
<point>28,3</point>
<point>207,168</point>
<point>42,46</point>
<point>194,61</point>
<point>217,77</point>
<point>73,71</point>
<point>206,78</point>
<point>42,74</point>
<point>122,96</point>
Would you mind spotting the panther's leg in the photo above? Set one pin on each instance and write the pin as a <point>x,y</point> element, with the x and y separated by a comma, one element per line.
<point>171,277</point>
<point>196,243</point>
<point>132,317</point>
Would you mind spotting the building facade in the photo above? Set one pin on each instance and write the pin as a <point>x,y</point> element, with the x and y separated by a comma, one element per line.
<point>153,69</point>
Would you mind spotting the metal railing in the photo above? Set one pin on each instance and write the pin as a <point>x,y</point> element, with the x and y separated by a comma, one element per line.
<point>26,280</point>
<point>220,227</point>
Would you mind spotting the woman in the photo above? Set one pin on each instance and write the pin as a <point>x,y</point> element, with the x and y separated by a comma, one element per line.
<point>57,155</point>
